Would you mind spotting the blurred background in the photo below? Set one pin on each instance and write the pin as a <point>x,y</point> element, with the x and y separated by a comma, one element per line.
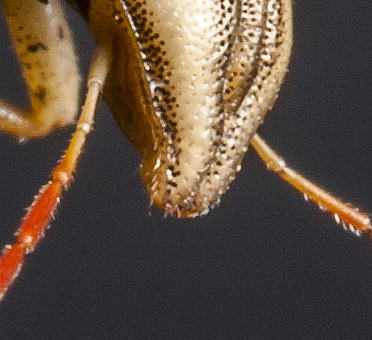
<point>263,265</point>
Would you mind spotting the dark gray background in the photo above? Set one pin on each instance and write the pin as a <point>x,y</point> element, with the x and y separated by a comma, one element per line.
<point>264,265</point>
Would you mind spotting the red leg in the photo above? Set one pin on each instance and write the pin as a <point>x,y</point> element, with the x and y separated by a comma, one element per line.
<point>41,211</point>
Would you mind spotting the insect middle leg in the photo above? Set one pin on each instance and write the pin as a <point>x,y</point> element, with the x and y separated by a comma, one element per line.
<point>42,41</point>
<point>44,47</point>
<point>42,209</point>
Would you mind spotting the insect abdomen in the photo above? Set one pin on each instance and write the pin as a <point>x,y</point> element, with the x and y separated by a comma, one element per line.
<point>204,74</point>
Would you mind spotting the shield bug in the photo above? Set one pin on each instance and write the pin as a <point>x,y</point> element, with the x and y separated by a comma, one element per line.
<point>188,84</point>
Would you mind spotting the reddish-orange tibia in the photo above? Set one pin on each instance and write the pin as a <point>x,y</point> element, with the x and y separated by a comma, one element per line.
<point>42,209</point>
<point>29,233</point>
<point>10,265</point>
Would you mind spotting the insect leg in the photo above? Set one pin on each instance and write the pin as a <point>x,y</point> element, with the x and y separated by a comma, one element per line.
<point>42,41</point>
<point>41,211</point>
<point>344,213</point>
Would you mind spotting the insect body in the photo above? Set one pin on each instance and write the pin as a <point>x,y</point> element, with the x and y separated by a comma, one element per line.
<point>204,79</point>
<point>188,82</point>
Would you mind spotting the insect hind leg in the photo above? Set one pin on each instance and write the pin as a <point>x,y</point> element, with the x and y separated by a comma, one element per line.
<point>344,213</point>
<point>43,44</point>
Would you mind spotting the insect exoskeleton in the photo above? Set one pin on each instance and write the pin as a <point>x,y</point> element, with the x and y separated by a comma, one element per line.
<point>189,82</point>
<point>202,76</point>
